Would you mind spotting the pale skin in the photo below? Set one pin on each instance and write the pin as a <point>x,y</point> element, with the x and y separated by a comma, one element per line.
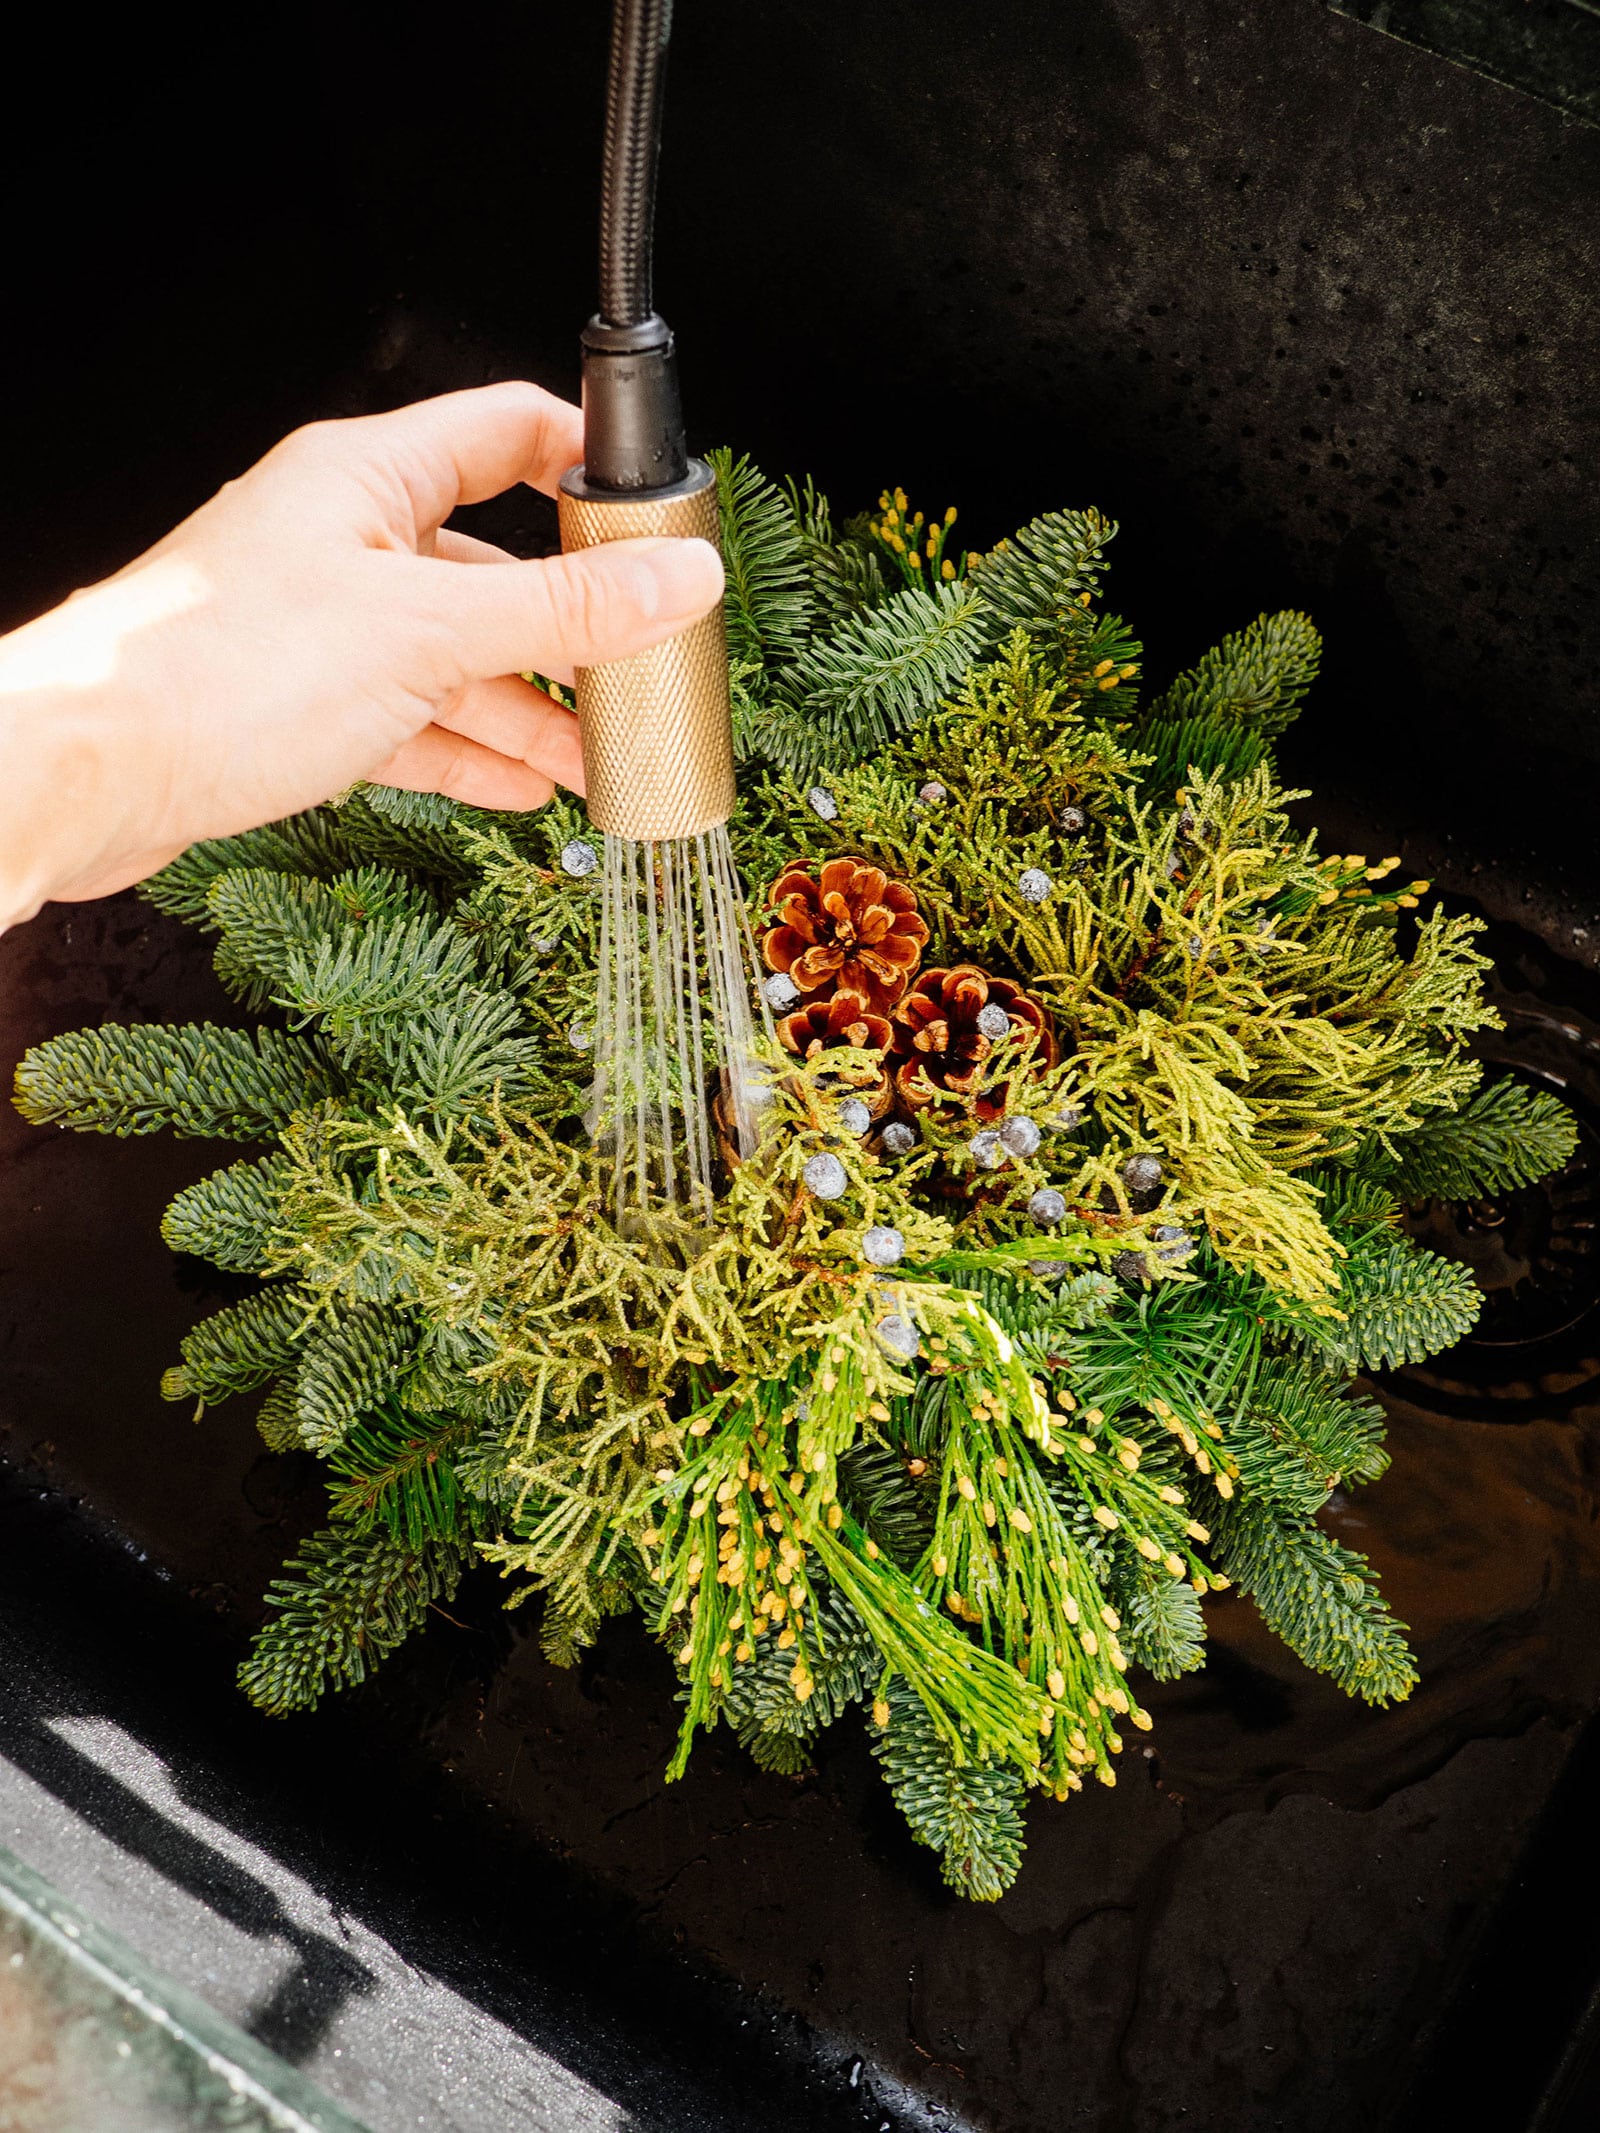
<point>318,623</point>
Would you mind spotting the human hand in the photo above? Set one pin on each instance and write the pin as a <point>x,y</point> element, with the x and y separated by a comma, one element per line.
<point>316,623</point>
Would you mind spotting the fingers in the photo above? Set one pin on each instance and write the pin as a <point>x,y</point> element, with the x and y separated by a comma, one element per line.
<point>462,769</point>
<point>457,547</point>
<point>456,449</point>
<point>568,611</point>
<point>500,743</point>
<point>516,720</point>
<point>471,445</point>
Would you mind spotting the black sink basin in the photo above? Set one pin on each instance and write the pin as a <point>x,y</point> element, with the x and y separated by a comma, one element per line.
<point>1307,309</point>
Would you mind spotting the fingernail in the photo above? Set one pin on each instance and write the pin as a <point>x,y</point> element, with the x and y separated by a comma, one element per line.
<point>678,577</point>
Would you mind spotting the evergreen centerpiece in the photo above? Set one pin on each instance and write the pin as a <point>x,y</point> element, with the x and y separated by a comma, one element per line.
<point>1096,1096</point>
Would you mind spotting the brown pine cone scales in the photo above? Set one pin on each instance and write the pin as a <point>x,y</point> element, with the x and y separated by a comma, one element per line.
<point>842,1022</point>
<point>940,1045</point>
<point>821,1024</point>
<point>848,931</point>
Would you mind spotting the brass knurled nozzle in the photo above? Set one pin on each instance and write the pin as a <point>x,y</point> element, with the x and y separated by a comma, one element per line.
<point>657,731</point>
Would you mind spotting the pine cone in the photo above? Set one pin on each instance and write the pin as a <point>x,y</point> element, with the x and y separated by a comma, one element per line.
<point>841,1022</point>
<point>852,932</point>
<point>822,1024</point>
<point>939,1044</point>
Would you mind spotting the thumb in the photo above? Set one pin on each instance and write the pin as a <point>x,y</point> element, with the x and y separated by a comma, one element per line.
<point>571,610</point>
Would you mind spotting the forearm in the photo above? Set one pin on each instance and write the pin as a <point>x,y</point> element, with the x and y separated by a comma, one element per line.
<point>49,776</point>
<point>79,752</point>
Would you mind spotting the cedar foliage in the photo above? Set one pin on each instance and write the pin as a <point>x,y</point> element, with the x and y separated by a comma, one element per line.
<point>1110,1416</point>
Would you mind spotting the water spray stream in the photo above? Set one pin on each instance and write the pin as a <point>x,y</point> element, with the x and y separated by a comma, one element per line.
<point>677,1066</point>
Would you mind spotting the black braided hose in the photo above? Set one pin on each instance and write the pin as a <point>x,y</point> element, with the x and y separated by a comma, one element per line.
<point>633,439</point>
<point>639,33</point>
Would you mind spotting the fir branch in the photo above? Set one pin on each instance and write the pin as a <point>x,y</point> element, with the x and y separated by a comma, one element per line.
<point>1163,1629</point>
<point>761,1698</point>
<point>1361,1210</point>
<point>1300,1434</point>
<point>1208,745</point>
<point>1319,1597</point>
<point>1256,677</point>
<point>767,607</point>
<point>414,831</point>
<point>847,578</point>
<point>424,833</point>
<point>398,1474</point>
<point>228,1084</point>
<point>353,1360</point>
<point>446,1378</point>
<point>1400,1305</point>
<point>450,1059</point>
<point>310,844</point>
<point>261,915</point>
<point>875,1482</point>
<point>882,669</point>
<point>770,728</point>
<point>1503,1137</point>
<point>784,1754</point>
<point>278,1418</point>
<point>1190,1347</point>
<point>265,917</point>
<point>351,1598</point>
<point>845,567</point>
<point>228,1217</point>
<point>364,976</point>
<point>1081,1300</point>
<point>238,1347</point>
<point>1038,578</point>
<point>969,1812</point>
